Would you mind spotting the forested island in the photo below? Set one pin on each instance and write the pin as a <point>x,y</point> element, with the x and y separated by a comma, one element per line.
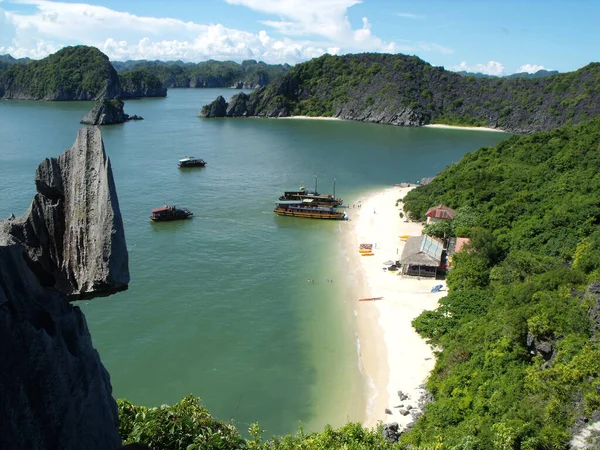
<point>73,73</point>
<point>405,90</point>
<point>85,73</point>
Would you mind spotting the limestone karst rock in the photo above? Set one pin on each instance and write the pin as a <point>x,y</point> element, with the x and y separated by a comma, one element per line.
<point>70,245</point>
<point>106,112</point>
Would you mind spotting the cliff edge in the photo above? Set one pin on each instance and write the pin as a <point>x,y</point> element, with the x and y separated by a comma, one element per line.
<point>70,245</point>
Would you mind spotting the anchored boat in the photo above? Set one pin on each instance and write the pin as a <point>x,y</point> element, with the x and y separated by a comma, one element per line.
<point>318,199</point>
<point>190,161</point>
<point>167,213</point>
<point>306,208</point>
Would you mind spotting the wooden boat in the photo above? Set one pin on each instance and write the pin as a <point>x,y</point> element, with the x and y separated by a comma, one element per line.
<point>167,213</point>
<point>306,209</point>
<point>318,199</point>
<point>370,299</point>
<point>190,161</point>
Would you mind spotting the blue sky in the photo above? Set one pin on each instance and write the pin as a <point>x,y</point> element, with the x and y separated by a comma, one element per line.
<point>495,37</point>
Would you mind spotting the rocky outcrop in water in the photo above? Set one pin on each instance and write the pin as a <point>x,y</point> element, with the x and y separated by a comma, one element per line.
<point>108,112</point>
<point>70,245</point>
<point>218,108</point>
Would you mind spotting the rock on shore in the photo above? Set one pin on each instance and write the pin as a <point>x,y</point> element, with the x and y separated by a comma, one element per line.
<point>70,245</point>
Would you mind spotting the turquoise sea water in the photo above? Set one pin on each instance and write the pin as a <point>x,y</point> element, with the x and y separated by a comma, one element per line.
<point>219,306</point>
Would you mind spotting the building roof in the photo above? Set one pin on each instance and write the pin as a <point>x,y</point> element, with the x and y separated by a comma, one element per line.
<point>441,212</point>
<point>422,251</point>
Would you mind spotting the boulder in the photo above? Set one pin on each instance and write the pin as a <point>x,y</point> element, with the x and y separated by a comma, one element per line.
<point>70,245</point>
<point>106,112</point>
<point>391,432</point>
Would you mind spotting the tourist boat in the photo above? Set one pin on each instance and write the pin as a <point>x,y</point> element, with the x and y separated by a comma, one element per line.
<point>167,213</point>
<point>190,161</point>
<point>319,199</point>
<point>306,208</point>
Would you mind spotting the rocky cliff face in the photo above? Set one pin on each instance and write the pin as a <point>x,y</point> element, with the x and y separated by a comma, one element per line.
<point>70,245</point>
<point>404,90</point>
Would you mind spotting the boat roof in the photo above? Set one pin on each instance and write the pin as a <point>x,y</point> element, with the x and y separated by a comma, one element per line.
<point>187,158</point>
<point>290,202</point>
<point>157,210</point>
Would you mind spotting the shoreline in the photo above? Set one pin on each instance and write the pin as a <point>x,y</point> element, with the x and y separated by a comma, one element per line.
<point>393,356</point>
<point>310,118</point>
<point>457,127</point>
<point>436,125</point>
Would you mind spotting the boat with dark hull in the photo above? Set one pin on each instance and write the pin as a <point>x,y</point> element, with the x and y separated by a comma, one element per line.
<point>307,209</point>
<point>318,199</point>
<point>167,213</point>
<point>190,161</point>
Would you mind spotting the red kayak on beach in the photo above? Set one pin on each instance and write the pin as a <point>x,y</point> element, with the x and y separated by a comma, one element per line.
<point>369,299</point>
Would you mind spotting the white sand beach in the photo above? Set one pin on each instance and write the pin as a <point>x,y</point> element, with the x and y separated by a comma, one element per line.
<point>310,118</point>
<point>394,356</point>
<point>454,127</point>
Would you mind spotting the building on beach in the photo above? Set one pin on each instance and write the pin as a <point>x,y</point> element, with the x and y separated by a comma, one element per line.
<point>422,256</point>
<point>440,212</point>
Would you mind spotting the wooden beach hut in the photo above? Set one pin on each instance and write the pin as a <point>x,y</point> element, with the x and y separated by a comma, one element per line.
<point>422,256</point>
<point>440,212</point>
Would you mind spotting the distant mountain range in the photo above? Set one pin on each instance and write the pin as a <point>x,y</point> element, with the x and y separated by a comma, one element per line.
<point>539,74</point>
<point>248,74</point>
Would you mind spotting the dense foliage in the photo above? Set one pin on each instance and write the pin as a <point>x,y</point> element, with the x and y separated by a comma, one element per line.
<point>405,90</point>
<point>187,425</point>
<point>73,73</point>
<point>519,358</point>
<point>210,73</point>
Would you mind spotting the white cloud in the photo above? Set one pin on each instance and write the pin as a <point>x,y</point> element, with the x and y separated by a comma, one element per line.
<point>530,68</point>
<point>410,16</point>
<point>305,29</point>
<point>491,68</point>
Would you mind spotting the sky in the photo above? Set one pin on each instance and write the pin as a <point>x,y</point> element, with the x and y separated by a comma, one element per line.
<point>497,37</point>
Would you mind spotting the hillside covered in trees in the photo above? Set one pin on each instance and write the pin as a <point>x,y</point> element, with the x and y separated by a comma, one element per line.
<point>248,74</point>
<point>405,90</point>
<point>519,330</point>
<point>72,73</point>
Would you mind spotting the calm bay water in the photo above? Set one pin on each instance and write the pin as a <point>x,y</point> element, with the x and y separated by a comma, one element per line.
<point>219,306</point>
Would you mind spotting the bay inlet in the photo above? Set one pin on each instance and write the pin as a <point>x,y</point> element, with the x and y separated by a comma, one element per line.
<point>219,305</point>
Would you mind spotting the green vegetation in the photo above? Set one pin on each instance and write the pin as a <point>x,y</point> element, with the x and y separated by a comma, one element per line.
<point>519,359</point>
<point>207,73</point>
<point>187,425</point>
<point>405,90</point>
<point>73,73</point>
